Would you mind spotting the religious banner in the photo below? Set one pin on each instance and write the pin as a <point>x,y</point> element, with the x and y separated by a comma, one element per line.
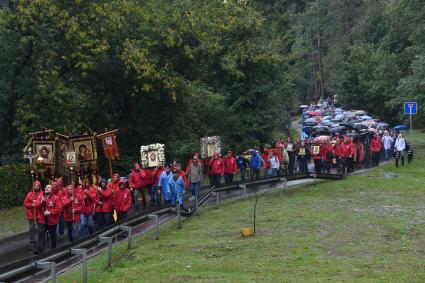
<point>210,145</point>
<point>62,145</point>
<point>84,147</point>
<point>316,150</point>
<point>43,146</point>
<point>151,155</point>
<point>110,146</point>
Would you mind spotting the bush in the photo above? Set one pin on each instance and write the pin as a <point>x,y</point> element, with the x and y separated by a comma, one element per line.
<point>15,182</point>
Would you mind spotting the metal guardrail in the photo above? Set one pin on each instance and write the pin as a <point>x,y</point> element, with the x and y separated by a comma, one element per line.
<point>80,247</point>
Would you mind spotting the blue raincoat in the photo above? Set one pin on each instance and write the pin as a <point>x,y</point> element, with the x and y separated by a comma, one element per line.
<point>177,189</point>
<point>255,162</point>
<point>163,183</point>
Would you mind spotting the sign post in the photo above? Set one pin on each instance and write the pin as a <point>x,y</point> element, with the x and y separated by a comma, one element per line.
<point>410,108</point>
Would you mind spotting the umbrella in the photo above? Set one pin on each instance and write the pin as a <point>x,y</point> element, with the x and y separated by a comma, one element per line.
<point>365,117</point>
<point>325,123</point>
<point>306,130</point>
<point>360,112</point>
<point>304,106</point>
<point>338,130</point>
<point>339,117</point>
<point>321,139</point>
<point>360,126</point>
<point>314,113</point>
<point>321,130</point>
<point>400,128</point>
<point>339,110</point>
<point>369,123</point>
<point>310,122</point>
<point>328,113</point>
<point>383,126</point>
<point>347,125</point>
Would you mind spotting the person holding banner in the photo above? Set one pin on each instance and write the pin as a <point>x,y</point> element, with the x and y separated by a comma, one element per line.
<point>90,198</point>
<point>73,205</point>
<point>30,203</point>
<point>48,208</point>
<point>138,185</point>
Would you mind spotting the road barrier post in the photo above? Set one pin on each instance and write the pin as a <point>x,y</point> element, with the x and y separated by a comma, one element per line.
<point>46,266</point>
<point>156,217</point>
<point>217,199</point>
<point>82,252</point>
<point>179,216</point>
<point>129,230</point>
<point>108,240</point>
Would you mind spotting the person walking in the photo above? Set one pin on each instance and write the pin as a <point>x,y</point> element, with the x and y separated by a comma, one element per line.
<point>291,150</point>
<point>274,164</point>
<point>399,147</point>
<point>216,169</point>
<point>48,209</point>
<point>138,186</point>
<point>230,167</point>
<point>194,175</point>
<point>29,203</point>
<point>303,157</point>
<point>122,201</point>
<point>387,142</point>
<point>255,165</point>
<point>242,164</point>
<point>375,149</point>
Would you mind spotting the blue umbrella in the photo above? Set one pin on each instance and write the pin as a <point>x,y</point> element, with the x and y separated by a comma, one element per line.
<point>307,130</point>
<point>400,128</point>
<point>365,117</point>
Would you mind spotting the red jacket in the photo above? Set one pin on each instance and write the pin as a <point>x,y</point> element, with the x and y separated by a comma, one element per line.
<point>78,206</point>
<point>105,202</point>
<point>122,200</point>
<point>90,199</point>
<point>265,157</point>
<point>52,204</point>
<point>320,154</point>
<point>347,150</point>
<point>375,145</point>
<point>216,166</point>
<point>137,179</point>
<point>230,165</point>
<point>28,203</point>
<point>326,150</point>
<point>149,177</point>
<point>158,174</point>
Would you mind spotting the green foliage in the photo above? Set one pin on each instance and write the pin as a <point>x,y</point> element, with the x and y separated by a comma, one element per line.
<point>15,184</point>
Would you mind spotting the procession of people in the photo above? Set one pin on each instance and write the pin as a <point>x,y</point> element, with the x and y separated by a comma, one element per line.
<point>85,206</point>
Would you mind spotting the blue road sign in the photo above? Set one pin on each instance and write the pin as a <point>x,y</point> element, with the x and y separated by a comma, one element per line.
<point>410,108</point>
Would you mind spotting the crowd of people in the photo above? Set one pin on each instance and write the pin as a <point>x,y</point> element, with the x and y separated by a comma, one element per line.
<point>83,207</point>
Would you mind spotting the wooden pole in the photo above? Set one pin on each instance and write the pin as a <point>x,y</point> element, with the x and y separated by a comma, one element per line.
<point>110,168</point>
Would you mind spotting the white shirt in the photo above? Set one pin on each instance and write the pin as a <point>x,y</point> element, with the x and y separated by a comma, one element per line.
<point>400,144</point>
<point>387,141</point>
<point>274,162</point>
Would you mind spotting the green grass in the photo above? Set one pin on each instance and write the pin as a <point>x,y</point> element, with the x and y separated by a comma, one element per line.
<point>12,221</point>
<point>363,229</point>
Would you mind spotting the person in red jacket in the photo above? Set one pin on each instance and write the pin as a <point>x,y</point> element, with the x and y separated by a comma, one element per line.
<point>138,185</point>
<point>29,203</point>
<point>347,154</point>
<point>216,168</point>
<point>317,157</point>
<point>149,186</point>
<point>122,201</point>
<point>48,209</point>
<point>328,157</point>
<point>105,204</point>
<point>230,167</point>
<point>375,149</point>
<point>86,219</point>
<point>73,206</point>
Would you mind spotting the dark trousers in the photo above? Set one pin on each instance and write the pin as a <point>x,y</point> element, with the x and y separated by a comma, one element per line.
<point>291,163</point>
<point>216,179</point>
<point>228,178</point>
<point>61,224</point>
<point>103,219</point>
<point>33,232</point>
<point>255,174</point>
<point>327,167</point>
<point>41,241</point>
<point>318,166</point>
<point>375,158</point>
<point>399,155</point>
<point>211,179</point>
<point>121,216</point>
<point>302,163</point>
<point>135,195</point>
<point>243,174</point>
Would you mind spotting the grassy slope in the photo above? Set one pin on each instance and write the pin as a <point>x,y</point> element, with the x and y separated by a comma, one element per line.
<point>364,229</point>
<point>12,221</point>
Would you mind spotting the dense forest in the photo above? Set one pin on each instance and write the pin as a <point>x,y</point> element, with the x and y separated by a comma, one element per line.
<point>174,71</point>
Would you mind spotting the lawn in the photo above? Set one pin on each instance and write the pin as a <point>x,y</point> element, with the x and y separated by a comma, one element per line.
<point>364,229</point>
<point>12,221</point>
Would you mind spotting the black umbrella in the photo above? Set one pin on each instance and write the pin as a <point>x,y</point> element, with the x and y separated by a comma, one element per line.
<point>348,125</point>
<point>338,130</point>
<point>383,126</point>
<point>360,126</point>
<point>321,130</point>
